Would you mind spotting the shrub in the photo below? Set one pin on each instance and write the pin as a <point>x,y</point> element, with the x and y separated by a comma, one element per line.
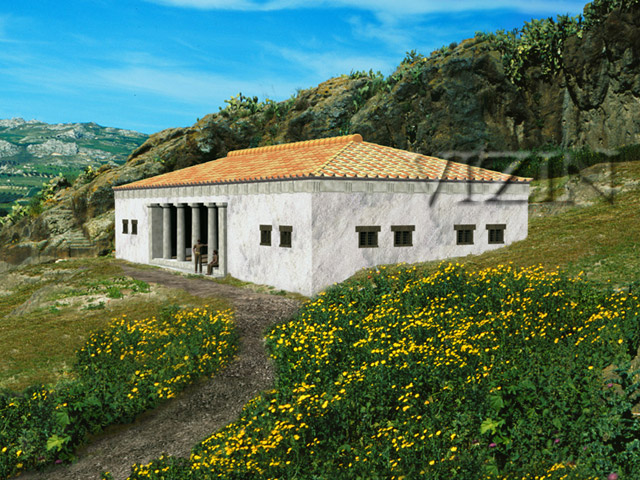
<point>122,371</point>
<point>492,374</point>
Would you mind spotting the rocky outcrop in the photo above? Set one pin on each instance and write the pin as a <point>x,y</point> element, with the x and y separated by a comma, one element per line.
<point>14,122</point>
<point>458,99</point>
<point>8,149</point>
<point>53,147</point>
<point>601,108</point>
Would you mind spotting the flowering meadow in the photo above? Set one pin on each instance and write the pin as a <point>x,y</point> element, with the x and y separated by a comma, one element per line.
<point>120,372</point>
<point>498,373</point>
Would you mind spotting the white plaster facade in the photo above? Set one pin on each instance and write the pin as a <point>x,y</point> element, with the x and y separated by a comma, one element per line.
<point>323,215</point>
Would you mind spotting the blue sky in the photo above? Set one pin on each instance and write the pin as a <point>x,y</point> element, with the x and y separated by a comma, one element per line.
<point>147,65</point>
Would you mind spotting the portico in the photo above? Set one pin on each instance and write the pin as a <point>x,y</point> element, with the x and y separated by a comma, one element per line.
<point>170,246</point>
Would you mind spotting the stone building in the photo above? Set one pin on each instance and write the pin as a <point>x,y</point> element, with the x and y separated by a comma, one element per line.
<point>305,215</point>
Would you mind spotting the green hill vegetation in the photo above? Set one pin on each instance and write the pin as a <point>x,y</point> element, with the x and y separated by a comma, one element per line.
<point>32,153</point>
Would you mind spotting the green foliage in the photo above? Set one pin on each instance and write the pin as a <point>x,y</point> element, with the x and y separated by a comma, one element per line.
<point>376,83</point>
<point>112,285</point>
<point>239,106</point>
<point>35,205</point>
<point>540,42</point>
<point>95,306</point>
<point>412,57</point>
<point>87,175</point>
<point>114,292</point>
<point>596,11</point>
<point>474,375</point>
<point>9,197</point>
<point>122,371</point>
<point>17,212</point>
<point>537,43</point>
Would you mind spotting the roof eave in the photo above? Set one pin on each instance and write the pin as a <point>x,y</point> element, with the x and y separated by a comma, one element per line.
<point>514,180</point>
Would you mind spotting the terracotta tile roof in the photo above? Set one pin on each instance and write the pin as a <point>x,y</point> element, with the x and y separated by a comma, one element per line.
<point>336,157</point>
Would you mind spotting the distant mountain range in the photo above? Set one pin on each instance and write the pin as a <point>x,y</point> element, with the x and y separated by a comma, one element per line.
<point>32,152</point>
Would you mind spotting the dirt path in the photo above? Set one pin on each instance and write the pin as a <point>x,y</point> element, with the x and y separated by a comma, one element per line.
<point>178,425</point>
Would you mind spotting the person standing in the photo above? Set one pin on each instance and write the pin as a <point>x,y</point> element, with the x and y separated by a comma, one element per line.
<point>197,256</point>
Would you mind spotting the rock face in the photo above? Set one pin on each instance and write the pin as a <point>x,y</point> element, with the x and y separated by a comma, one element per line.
<point>53,147</point>
<point>8,149</point>
<point>602,97</point>
<point>14,122</point>
<point>458,99</point>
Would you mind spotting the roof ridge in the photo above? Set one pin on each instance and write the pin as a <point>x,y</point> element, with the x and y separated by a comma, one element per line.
<point>291,146</point>
<point>318,171</point>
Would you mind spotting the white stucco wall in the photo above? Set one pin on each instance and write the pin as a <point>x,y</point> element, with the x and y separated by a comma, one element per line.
<point>336,254</point>
<point>282,267</point>
<point>130,247</point>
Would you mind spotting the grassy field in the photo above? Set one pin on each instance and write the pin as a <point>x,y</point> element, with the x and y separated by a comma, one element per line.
<point>47,312</point>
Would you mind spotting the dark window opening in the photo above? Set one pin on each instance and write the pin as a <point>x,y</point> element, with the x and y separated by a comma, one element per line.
<point>285,236</point>
<point>265,235</point>
<point>464,234</point>
<point>125,226</point>
<point>403,235</point>
<point>134,227</point>
<point>367,236</point>
<point>496,233</point>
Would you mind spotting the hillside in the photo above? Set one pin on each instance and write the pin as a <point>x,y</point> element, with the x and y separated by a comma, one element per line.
<point>33,152</point>
<point>51,296</point>
<point>563,85</point>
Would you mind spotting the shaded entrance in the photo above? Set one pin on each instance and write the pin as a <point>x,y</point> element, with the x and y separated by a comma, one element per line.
<point>175,228</point>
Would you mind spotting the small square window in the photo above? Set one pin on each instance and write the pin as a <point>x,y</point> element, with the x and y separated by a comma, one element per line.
<point>496,233</point>
<point>403,235</point>
<point>134,227</point>
<point>285,236</point>
<point>125,226</point>
<point>265,235</point>
<point>367,236</point>
<point>464,234</point>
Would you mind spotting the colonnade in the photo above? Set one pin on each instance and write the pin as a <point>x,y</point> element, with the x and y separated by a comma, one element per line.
<point>216,235</point>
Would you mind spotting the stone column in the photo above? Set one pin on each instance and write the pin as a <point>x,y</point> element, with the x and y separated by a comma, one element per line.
<point>155,230</point>
<point>195,227</point>
<point>212,231</point>
<point>166,230</point>
<point>180,250</point>
<point>222,238</point>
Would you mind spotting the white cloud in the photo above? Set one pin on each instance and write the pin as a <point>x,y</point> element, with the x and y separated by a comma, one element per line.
<point>330,64</point>
<point>386,7</point>
<point>178,85</point>
<point>421,7</point>
<point>192,87</point>
<point>385,30</point>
